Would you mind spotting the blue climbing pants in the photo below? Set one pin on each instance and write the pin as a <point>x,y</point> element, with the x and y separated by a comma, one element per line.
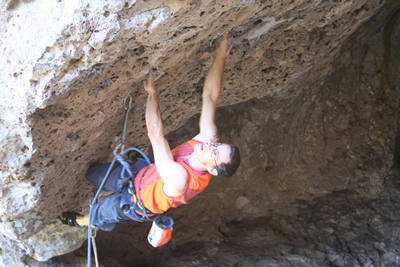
<point>117,207</point>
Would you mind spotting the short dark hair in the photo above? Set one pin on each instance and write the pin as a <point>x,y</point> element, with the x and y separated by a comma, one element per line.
<point>229,169</point>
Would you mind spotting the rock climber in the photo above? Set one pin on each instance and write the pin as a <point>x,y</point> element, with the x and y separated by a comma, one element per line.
<point>176,175</point>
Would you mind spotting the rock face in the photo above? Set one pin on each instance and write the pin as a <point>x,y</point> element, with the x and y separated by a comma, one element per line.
<point>319,185</point>
<point>317,127</point>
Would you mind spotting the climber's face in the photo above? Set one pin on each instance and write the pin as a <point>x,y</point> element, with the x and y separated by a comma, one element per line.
<point>212,154</point>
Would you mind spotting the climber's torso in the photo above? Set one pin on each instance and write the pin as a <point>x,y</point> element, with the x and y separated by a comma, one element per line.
<point>150,187</point>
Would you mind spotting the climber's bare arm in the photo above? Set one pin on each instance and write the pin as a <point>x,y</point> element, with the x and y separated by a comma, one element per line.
<point>211,91</point>
<point>173,175</point>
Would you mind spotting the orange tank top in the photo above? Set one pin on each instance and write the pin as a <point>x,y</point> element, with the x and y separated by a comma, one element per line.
<point>150,185</point>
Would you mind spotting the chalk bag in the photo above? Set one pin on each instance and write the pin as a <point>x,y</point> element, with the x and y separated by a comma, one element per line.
<point>161,231</point>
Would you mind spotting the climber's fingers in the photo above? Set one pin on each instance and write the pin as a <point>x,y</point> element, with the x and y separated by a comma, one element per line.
<point>222,43</point>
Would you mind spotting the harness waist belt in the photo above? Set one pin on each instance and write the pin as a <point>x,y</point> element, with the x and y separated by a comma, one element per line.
<point>139,207</point>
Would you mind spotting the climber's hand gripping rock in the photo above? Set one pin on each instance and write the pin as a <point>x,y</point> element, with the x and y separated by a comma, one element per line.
<point>222,45</point>
<point>149,83</point>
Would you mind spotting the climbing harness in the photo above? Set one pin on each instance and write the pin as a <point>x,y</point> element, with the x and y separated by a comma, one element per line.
<point>138,203</point>
<point>156,238</point>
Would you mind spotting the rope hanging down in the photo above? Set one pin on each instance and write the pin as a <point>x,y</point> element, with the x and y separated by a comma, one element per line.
<point>126,172</point>
<point>95,248</point>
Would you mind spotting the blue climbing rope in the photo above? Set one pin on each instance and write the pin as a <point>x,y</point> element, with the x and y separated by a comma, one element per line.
<point>126,173</point>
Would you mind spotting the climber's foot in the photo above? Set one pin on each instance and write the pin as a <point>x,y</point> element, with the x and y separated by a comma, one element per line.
<point>69,218</point>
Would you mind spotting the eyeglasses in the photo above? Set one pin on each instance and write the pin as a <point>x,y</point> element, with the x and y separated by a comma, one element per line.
<point>214,153</point>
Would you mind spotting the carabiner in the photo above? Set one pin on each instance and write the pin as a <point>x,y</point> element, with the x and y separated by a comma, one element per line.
<point>129,103</point>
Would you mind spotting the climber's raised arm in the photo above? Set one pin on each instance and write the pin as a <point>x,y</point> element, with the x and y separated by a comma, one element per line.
<point>211,91</point>
<point>172,174</point>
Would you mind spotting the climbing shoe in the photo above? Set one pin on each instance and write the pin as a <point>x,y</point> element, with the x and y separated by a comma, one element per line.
<point>69,218</point>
